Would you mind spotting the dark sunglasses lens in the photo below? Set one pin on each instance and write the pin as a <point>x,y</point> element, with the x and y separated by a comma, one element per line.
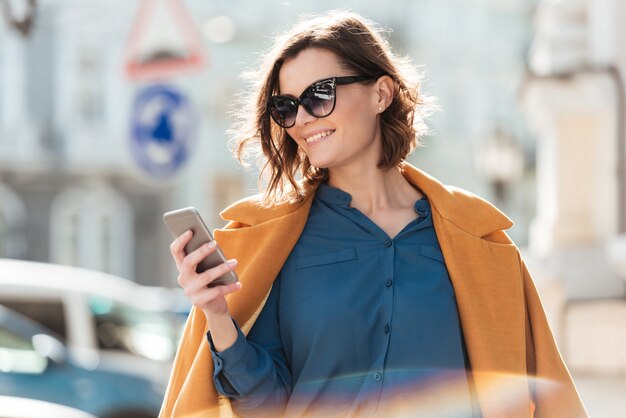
<point>319,99</point>
<point>283,110</point>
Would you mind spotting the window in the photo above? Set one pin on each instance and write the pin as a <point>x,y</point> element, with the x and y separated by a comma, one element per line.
<point>227,189</point>
<point>48,313</point>
<point>12,224</point>
<point>145,333</point>
<point>92,227</point>
<point>89,86</point>
<point>17,354</point>
<point>2,87</point>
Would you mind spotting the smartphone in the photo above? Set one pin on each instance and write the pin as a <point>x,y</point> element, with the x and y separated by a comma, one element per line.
<point>181,220</point>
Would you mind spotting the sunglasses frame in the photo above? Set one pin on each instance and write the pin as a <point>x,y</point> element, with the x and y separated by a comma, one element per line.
<point>297,101</point>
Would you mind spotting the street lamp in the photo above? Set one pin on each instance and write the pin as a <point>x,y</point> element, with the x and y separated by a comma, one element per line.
<point>499,159</point>
<point>20,20</point>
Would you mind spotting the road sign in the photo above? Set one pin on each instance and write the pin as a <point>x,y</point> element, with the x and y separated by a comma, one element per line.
<point>163,42</point>
<point>162,130</point>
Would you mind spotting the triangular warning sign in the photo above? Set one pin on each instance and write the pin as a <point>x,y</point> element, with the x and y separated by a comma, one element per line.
<point>163,42</point>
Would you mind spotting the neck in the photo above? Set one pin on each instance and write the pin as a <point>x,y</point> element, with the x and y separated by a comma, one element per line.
<point>374,190</point>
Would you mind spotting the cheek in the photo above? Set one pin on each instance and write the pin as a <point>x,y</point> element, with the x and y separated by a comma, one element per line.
<point>358,117</point>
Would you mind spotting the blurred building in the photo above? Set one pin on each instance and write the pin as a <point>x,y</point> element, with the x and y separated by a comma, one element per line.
<point>72,192</point>
<point>574,99</point>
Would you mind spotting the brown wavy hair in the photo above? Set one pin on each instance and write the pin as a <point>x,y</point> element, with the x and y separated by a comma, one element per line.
<point>359,45</point>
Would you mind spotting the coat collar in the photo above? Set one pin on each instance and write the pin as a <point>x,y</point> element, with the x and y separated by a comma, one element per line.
<point>465,210</point>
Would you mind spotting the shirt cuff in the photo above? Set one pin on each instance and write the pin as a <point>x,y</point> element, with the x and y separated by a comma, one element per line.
<point>235,352</point>
<point>233,356</point>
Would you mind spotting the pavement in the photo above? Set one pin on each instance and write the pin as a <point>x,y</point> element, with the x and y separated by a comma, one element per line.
<point>604,397</point>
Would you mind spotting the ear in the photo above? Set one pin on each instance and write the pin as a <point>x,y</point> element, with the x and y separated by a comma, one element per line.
<point>383,88</point>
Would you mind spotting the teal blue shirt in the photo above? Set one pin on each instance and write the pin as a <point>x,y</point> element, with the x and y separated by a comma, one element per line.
<point>355,323</point>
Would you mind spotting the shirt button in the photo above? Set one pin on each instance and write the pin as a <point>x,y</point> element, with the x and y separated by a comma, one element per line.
<point>378,377</point>
<point>388,243</point>
<point>388,282</point>
<point>387,328</point>
<point>422,207</point>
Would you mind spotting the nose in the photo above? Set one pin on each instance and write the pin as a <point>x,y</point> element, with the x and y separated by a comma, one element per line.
<point>303,117</point>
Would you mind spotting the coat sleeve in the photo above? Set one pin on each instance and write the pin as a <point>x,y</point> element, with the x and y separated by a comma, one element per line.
<point>261,239</point>
<point>552,388</point>
<point>190,392</point>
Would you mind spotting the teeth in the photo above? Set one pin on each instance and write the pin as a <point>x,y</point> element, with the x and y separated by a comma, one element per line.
<point>318,136</point>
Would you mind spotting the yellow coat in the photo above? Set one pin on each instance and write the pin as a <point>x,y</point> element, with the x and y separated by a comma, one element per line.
<point>517,370</point>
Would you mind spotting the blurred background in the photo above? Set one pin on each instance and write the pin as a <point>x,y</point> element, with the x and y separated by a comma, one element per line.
<point>113,112</point>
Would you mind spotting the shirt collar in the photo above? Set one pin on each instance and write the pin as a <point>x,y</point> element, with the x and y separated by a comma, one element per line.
<point>466,211</point>
<point>337,197</point>
<point>422,207</point>
<point>333,196</point>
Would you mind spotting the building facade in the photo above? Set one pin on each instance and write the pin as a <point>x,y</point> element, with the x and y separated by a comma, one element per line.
<point>71,190</point>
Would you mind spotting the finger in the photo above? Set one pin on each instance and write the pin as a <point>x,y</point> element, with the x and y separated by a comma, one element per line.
<point>206,295</point>
<point>205,278</point>
<point>191,260</point>
<point>233,287</point>
<point>212,274</point>
<point>192,282</point>
<point>177,247</point>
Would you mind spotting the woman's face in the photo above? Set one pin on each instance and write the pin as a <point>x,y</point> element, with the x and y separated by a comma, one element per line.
<point>350,135</point>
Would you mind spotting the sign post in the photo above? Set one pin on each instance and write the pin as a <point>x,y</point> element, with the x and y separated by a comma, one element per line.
<point>163,44</point>
<point>162,130</point>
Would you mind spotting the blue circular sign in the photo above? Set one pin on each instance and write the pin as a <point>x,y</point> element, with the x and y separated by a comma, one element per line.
<point>162,130</point>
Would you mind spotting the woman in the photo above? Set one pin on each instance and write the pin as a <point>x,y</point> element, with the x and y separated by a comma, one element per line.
<point>367,288</point>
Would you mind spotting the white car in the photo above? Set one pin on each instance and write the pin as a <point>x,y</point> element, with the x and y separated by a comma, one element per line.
<point>105,320</point>
<point>15,407</point>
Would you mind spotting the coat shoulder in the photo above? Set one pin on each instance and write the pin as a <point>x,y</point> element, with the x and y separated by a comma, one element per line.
<point>465,197</point>
<point>460,207</point>
<point>251,210</point>
<point>472,212</point>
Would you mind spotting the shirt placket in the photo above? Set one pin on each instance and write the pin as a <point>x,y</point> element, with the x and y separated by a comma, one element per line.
<point>382,329</point>
<point>388,301</point>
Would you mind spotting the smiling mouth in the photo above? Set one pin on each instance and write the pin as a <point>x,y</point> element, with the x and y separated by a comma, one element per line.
<point>318,137</point>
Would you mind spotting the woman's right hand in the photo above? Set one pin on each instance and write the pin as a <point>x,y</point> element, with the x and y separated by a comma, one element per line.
<point>210,300</point>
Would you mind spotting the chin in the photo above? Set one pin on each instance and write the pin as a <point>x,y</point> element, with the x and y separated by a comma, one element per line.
<point>321,164</point>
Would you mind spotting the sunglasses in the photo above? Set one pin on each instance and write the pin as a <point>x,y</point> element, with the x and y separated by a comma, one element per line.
<point>318,100</point>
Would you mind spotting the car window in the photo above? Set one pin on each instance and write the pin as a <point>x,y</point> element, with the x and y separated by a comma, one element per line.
<point>128,328</point>
<point>48,313</point>
<point>17,354</point>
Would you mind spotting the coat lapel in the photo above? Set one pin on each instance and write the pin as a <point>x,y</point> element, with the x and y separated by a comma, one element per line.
<point>260,239</point>
<point>261,250</point>
<point>488,287</point>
